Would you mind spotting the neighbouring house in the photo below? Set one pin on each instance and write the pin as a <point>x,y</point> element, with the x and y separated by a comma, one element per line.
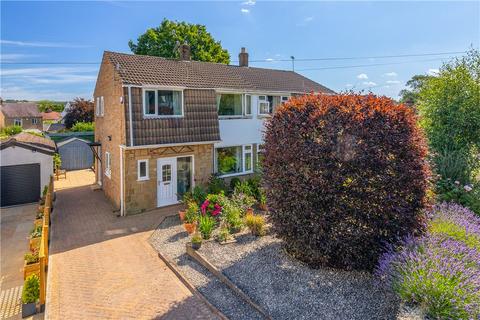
<point>163,126</point>
<point>51,116</point>
<point>24,114</point>
<point>26,163</point>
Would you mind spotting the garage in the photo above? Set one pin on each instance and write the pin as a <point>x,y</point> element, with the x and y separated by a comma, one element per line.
<point>19,184</point>
<point>26,166</point>
<point>75,153</point>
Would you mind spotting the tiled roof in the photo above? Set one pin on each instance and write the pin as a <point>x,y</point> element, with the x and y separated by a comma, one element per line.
<point>149,70</point>
<point>52,115</point>
<point>30,141</point>
<point>20,110</point>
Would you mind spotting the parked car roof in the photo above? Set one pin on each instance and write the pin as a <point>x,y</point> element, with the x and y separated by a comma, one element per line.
<point>150,70</point>
<point>20,110</point>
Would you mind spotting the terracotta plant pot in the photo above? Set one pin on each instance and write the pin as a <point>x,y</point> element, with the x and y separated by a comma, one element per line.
<point>181,215</point>
<point>190,227</point>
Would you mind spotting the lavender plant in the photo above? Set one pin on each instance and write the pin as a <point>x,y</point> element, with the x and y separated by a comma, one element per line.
<point>439,271</point>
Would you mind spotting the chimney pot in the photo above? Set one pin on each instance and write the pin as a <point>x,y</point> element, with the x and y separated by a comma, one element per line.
<point>243,58</point>
<point>184,52</point>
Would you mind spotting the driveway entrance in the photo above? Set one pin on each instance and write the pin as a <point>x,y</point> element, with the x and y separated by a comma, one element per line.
<point>102,267</point>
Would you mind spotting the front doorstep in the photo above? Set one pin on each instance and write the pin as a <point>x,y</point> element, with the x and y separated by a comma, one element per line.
<point>29,309</point>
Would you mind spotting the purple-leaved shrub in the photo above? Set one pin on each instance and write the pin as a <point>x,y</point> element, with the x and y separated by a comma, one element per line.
<point>439,271</point>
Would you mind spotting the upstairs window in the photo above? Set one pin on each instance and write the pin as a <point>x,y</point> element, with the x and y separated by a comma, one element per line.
<point>248,105</point>
<point>263,105</point>
<point>230,104</point>
<point>163,103</point>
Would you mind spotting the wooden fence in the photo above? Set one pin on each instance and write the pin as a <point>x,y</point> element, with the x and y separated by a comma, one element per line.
<point>41,268</point>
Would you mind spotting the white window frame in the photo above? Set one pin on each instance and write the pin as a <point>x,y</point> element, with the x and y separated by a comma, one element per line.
<point>16,120</point>
<point>147,176</point>
<point>235,116</point>
<point>156,115</point>
<point>108,170</point>
<point>244,107</point>
<point>34,121</point>
<point>283,101</point>
<point>263,101</point>
<point>244,152</point>
<point>102,106</point>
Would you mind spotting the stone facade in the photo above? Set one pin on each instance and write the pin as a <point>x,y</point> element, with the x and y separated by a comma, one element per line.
<point>142,195</point>
<point>27,123</point>
<point>110,129</point>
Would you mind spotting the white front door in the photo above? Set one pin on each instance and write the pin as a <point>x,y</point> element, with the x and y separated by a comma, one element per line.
<point>166,181</point>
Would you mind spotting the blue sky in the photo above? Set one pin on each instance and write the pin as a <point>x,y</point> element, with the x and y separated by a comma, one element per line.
<point>80,31</point>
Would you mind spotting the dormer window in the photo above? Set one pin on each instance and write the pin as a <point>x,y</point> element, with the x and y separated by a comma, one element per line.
<point>162,103</point>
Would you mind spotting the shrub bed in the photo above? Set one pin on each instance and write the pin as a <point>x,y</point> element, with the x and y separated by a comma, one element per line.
<point>344,174</point>
<point>439,271</point>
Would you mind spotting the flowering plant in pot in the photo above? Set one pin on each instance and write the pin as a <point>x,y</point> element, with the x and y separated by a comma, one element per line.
<point>196,241</point>
<point>191,217</point>
<point>213,205</point>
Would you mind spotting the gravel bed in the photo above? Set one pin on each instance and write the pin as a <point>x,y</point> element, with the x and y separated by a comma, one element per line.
<point>288,289</point>
<point>170,239</point>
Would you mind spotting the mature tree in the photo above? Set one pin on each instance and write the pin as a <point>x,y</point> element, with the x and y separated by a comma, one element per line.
<point>45,105</point>
<point>410,96</point>
<point>80,110</point>
<point>449,108</point>
<point>163,41</point>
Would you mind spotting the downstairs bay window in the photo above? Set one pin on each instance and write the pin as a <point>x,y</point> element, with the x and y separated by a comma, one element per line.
<point>234,160</point>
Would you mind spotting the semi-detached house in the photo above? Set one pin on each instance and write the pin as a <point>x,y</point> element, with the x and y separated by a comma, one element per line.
<point>163,126</point>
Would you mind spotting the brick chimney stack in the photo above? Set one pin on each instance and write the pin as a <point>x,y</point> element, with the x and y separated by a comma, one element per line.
<point>243,58</point>
<point>184,52</point>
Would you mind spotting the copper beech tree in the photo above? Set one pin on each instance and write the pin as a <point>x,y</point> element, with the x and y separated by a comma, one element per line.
<point>345,175</point>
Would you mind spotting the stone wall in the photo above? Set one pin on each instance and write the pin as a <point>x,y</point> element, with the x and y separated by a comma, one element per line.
<point>142,195</point>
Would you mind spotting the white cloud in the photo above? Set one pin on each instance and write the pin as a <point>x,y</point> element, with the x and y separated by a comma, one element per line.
<point>45,71</point>
<point>390,74</point>
<point>392,81</point>
<point>432,72</point>
<point>349,85</point>
<point>249,3</point>
<point>42,44</point>
<point>369,83</point>
<point>308,19</point>
<point>269,59</point>
<point>10,57</point>
<point>362,76</point>
<point>243,10</point>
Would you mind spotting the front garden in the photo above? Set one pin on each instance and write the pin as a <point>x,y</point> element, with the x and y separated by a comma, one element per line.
<point>372,211</point>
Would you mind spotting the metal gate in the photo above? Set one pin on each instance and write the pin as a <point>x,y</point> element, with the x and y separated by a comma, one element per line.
<point>20,184</point>
<point>75,154</point>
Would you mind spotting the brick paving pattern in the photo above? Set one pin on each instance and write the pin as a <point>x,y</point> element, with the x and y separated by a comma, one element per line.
<point>102,266</point>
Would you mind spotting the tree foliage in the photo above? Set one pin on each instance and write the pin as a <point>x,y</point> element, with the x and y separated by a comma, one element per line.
<point>80,110</point>
<point>83,127</point>
<point>45,105</point>
<point>410,96</point>
<point>344,175</point>
<point>163,41</point>
<point>449,107</point>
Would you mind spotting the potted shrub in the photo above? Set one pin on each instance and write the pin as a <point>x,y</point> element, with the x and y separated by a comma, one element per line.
<point>191,217</point>
<point>31,264</point>
<point>256,224</point>
<point>206,224</point>
<point>35,237</point>
<point>196,241</point>
<point>262,203</point>
<point>30,296</point>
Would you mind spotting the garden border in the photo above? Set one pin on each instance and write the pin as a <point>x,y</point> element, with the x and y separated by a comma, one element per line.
<point>172,266</point>
<point>220,276</point>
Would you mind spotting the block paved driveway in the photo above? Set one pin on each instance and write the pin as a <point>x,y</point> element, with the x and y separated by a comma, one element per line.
<point>102,267</point>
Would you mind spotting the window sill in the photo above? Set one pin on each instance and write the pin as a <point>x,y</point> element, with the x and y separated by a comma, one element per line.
<point>234,117</point>
<point>143,179</point>
<point>236,174</point>
<point>147,117</point>
<point>263,116</point>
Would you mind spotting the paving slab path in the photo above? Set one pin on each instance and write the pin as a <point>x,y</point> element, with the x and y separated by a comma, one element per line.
<point>102,266</point>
